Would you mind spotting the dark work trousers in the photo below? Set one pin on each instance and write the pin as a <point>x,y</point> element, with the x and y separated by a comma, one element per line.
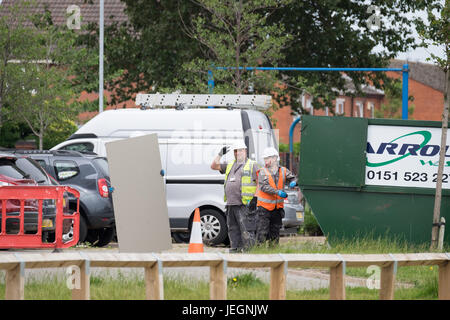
<point>241,223</point>
<point>268,225</point>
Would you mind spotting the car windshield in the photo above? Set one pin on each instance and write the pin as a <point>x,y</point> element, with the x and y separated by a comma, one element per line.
<point>102,165</point>
<point>9,169</point>
<point>33,169</point>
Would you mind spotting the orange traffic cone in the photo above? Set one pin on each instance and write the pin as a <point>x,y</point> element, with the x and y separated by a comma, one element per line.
<point>196,243</point>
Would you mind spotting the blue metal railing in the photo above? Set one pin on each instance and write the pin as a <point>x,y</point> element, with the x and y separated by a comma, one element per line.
<point>404,70</point>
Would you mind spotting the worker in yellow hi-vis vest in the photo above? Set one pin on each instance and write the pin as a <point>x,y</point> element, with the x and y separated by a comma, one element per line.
<point>240,188</point>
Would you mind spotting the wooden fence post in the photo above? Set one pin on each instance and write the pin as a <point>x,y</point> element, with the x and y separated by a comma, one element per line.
<point>154,284</point>
<point>278,282</point>
<point>84,291</point>
<point>337,281</point>
<point>218,281</point>
<point>387,282</point>
<point>15,282</point>
<point>444,281</point>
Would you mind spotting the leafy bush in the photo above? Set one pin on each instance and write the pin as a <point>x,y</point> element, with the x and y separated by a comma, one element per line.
<point>58,132</point>
<point>310,225</point>
<point>284,147</point>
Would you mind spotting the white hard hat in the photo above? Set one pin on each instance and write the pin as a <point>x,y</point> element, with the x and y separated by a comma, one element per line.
<point>239,145</point>
<point>270,152</point>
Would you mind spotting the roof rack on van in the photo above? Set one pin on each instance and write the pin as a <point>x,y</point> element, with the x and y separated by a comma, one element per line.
<point>244,101</point>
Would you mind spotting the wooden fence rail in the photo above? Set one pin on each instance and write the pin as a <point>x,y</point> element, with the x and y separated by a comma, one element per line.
<point>16,263</point>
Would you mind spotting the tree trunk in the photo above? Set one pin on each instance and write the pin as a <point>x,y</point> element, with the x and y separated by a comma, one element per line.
<point>41,134</point>
<point>2,94</point>
<point>438,197</point>
<point>41,142</point>
<point>1,110</point>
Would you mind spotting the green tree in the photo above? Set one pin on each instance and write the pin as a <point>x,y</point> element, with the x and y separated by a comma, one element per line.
<point>437,32</point>
<point>11,131</point>
<point>145,54</point>
<point>46,92</point>
<point>236,34</point>
<point>15,45</point>
<point>58,132</point>
<point>151,50</point>
<point>392,109</point>
<point>327,33</point>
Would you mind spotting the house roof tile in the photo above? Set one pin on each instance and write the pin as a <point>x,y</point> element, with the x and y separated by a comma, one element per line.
<point>114,10</point>
<point>426,73</point>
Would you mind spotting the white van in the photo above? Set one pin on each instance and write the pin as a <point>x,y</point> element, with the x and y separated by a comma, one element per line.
<point>189,139</point>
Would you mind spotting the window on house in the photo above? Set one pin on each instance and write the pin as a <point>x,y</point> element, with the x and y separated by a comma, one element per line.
<point>340,106</point>
<point>359,112</point>
<point>309,106</point>
<point>371,109</point>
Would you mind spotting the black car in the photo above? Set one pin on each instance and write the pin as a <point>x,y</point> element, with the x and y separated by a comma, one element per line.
<point>18,167</point>
<point>88,174</point>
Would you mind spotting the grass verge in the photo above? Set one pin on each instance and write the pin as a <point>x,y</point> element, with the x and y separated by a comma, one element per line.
<point>246,286</point>
<point>243,287</point>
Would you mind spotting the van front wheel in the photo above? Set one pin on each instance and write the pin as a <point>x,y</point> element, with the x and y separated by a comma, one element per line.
<point>214,227</point>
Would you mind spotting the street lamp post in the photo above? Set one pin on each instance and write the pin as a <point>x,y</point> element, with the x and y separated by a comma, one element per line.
<point>100,71</point>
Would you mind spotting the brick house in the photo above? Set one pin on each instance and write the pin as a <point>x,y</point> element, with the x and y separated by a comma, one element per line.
<point>63,9</point>
<point>344,106</point>
<point>426,86</point>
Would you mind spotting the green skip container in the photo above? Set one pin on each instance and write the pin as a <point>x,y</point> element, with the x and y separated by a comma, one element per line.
<point>373,177</point>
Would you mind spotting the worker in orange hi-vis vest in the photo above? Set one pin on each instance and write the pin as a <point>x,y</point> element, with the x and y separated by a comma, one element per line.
<point>270,192</point>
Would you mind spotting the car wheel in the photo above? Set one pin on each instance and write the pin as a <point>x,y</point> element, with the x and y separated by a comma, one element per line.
<point>214,227</point>
<point>83,230</point>
<point>100,237</point>
<point>181,237</point>
<point>105,235</point>
<point>92,236</point>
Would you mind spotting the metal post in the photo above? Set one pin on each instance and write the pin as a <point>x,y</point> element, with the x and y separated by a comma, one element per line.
<point>405,72</point>
<point>210,84</point>
<point>100,71</point>
<point>441,234</point>
<point>291,141</point>
<point>324,69</point>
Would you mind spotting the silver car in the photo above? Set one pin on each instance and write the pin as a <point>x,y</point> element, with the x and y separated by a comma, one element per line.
<point>294,212</point>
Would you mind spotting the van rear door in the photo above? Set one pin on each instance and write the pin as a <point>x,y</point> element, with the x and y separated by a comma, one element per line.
<point>258,133</point>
